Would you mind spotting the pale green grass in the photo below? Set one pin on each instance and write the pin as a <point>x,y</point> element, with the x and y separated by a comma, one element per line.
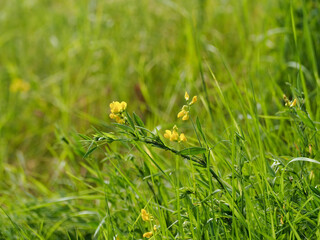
<point>239,57</point>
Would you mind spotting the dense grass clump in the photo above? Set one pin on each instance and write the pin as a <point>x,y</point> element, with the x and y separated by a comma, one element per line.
<point>212,130</point>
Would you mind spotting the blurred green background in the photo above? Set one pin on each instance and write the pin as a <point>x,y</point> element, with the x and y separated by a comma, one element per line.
<point>63,62</point>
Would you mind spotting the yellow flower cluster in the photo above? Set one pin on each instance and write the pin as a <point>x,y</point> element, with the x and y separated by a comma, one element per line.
<point>289,103</point>
<point>117,109</point>
<point>184,113</point>
<point>18,85</point>
<point>147,217</point>
<point>174,135</point>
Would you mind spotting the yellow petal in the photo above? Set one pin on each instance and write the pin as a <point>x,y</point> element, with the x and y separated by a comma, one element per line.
<point>185,117</point>
<point>183,138</point>
<point>120,120</point>
<point>148,234</point>
<point>112,116</point>
<point>174,136</point>
<point>294,103</point>
<point>145,216</point>
<point>111,105</point>
<point>167,134</point>
<point>123,106</point>
<point>181,113</point>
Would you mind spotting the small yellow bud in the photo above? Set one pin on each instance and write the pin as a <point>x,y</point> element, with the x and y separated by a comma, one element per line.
<point>183,138</point>
<point>310,149</point>
<point>312,175</point>
<point>148,234</point>
<point>284,97</point>
<point>186,96</point>
<point>194,99</point>
<point>294,103</point>
<point>155,228</point>
<point>281,220</point>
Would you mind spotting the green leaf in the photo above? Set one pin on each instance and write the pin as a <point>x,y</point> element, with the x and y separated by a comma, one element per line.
<point>140,123</point>
<point>138,120</point>
<point>146,130</point>
<point>130,120</point>
<point>84,136</point>
<point>124,127</point>
<point>315,191</point>
<point>303,159</point>
<point>200,129</point>
<point>90,150</point>
<point>304,117</point>
<point>193,151</point>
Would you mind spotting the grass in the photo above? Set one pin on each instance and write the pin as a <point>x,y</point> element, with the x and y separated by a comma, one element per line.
<point>250,168</point>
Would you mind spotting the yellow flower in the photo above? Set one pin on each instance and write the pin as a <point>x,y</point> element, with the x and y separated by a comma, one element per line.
<point>185,117</point>
<point>183,138</point>
<point>186,96</point>
<point>194,99</point>
<point>145,215</point>
<point>167,134</point>
<point>148,234</point>
<point>18,85</point>
<point>174,136</point>
<point>117,107</point>
<point>123,105</point>
<point>182,113</point>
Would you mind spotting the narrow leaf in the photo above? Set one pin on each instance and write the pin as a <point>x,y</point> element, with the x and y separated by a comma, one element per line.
<point>193,151</point>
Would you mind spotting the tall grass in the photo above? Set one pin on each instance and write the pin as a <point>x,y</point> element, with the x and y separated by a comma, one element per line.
<point>250,167</point>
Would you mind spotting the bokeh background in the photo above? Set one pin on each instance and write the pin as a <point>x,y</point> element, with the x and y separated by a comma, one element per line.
<point>63,62</point>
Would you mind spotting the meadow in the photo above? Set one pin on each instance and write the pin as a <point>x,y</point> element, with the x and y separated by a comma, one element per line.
<point>163,119</point>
